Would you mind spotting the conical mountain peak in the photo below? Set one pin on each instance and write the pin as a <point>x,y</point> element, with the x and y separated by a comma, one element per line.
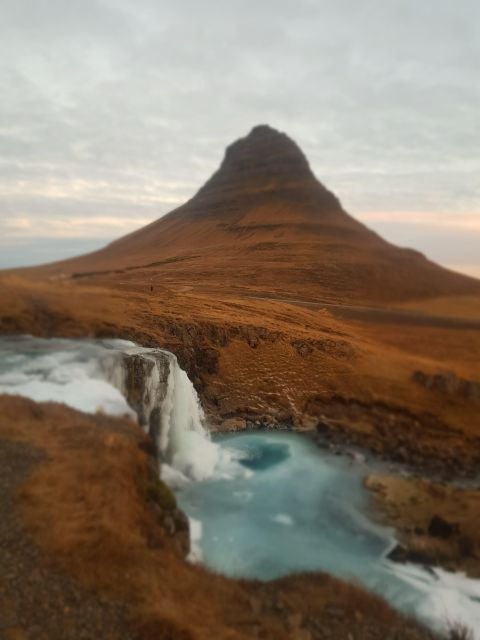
<point>264,159</point>
<point>263,222</point>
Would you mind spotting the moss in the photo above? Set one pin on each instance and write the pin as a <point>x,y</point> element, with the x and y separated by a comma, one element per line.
<point>158,492</point>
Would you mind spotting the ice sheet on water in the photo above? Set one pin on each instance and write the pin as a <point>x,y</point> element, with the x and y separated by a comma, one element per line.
<point>59,370</point>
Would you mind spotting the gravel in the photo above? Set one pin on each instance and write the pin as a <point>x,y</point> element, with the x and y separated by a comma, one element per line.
<point>38,601</point>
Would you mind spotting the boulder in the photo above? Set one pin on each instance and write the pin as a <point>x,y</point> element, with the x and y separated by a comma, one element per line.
<point>440,528</point>
<point>402,555</point>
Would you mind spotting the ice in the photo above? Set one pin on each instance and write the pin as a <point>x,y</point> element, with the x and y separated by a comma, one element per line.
<point>283,518</point>
<point>55,373</point>
<point>196,530</point>
<point>444,596</point>
<point>90,376</point>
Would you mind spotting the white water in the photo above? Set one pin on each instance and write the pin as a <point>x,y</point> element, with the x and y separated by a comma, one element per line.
<point>90,376</point>
<point>184,441</point>
<point>260,505</point>
<point>67,371</point>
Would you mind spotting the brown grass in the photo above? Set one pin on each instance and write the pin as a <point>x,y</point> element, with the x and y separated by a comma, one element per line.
<point>86,506</point>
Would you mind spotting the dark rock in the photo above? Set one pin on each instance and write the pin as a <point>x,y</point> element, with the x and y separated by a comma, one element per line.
<point>335,612</point>
<point>471,390</point>
<point>448,384</point>
<point>302,348</point>
<point>323,426</point>
<point>402,555</point>
<point>466,547</point>
<point>440,528</point>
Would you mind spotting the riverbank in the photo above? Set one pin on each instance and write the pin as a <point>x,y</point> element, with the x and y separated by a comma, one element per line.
<point>436,524</point>
<point>90,507</point>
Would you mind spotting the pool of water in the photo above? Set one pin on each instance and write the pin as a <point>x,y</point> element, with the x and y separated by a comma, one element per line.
<point>295,507</point>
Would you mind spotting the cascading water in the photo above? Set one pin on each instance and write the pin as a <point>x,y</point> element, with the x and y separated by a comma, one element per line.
<point>184,442</point>
<point>169,409</point>
<point>268,504</point>
<point>120,378</point>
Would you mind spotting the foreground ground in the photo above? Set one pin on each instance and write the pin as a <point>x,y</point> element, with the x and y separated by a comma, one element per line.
<point>92,546</point>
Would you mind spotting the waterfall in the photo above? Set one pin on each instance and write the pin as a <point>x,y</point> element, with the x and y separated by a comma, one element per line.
<point>121,378</point>
<point>169,409</point>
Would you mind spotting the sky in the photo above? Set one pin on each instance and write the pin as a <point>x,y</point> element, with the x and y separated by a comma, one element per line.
<point>113,112</point>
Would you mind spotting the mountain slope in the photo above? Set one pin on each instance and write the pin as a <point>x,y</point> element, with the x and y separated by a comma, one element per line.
<point>265,224</point>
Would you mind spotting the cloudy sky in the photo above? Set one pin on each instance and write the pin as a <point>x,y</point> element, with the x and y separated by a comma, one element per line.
<point>115,111</point>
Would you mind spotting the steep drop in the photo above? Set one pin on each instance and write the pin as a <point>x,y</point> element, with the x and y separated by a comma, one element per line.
<point>120,378</point>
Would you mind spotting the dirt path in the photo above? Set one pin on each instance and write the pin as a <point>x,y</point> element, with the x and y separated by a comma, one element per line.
<point>38,602</point>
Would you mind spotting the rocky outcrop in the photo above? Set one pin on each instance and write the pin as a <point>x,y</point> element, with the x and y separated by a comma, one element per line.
<point>338,349</point>
<point>449,385</point>
<point>392,433</point>
<point>436,524</point>
<point>438,527</point>
<point>267,161</point>
<point>142,377</point>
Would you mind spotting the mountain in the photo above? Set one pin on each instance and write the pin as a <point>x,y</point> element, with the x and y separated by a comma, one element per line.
<point>263,223</point>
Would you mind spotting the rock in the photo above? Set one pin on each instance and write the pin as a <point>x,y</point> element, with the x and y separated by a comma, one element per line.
<point>440,528</point>
<point>357,458</point>
<point>323,426</point>
<point>448,384</point>
<point>233,424</point>
<point>471,390</point>
<point>466,547</point>
<point>335,612</point>
<point>402,555</point>
<point>303,348</point>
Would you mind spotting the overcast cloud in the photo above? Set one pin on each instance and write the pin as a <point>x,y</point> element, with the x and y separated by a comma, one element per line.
<point>113,112</point>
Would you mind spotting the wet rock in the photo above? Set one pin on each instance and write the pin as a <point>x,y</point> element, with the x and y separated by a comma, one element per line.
<point>323,426</point>
<point>403,555</point>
